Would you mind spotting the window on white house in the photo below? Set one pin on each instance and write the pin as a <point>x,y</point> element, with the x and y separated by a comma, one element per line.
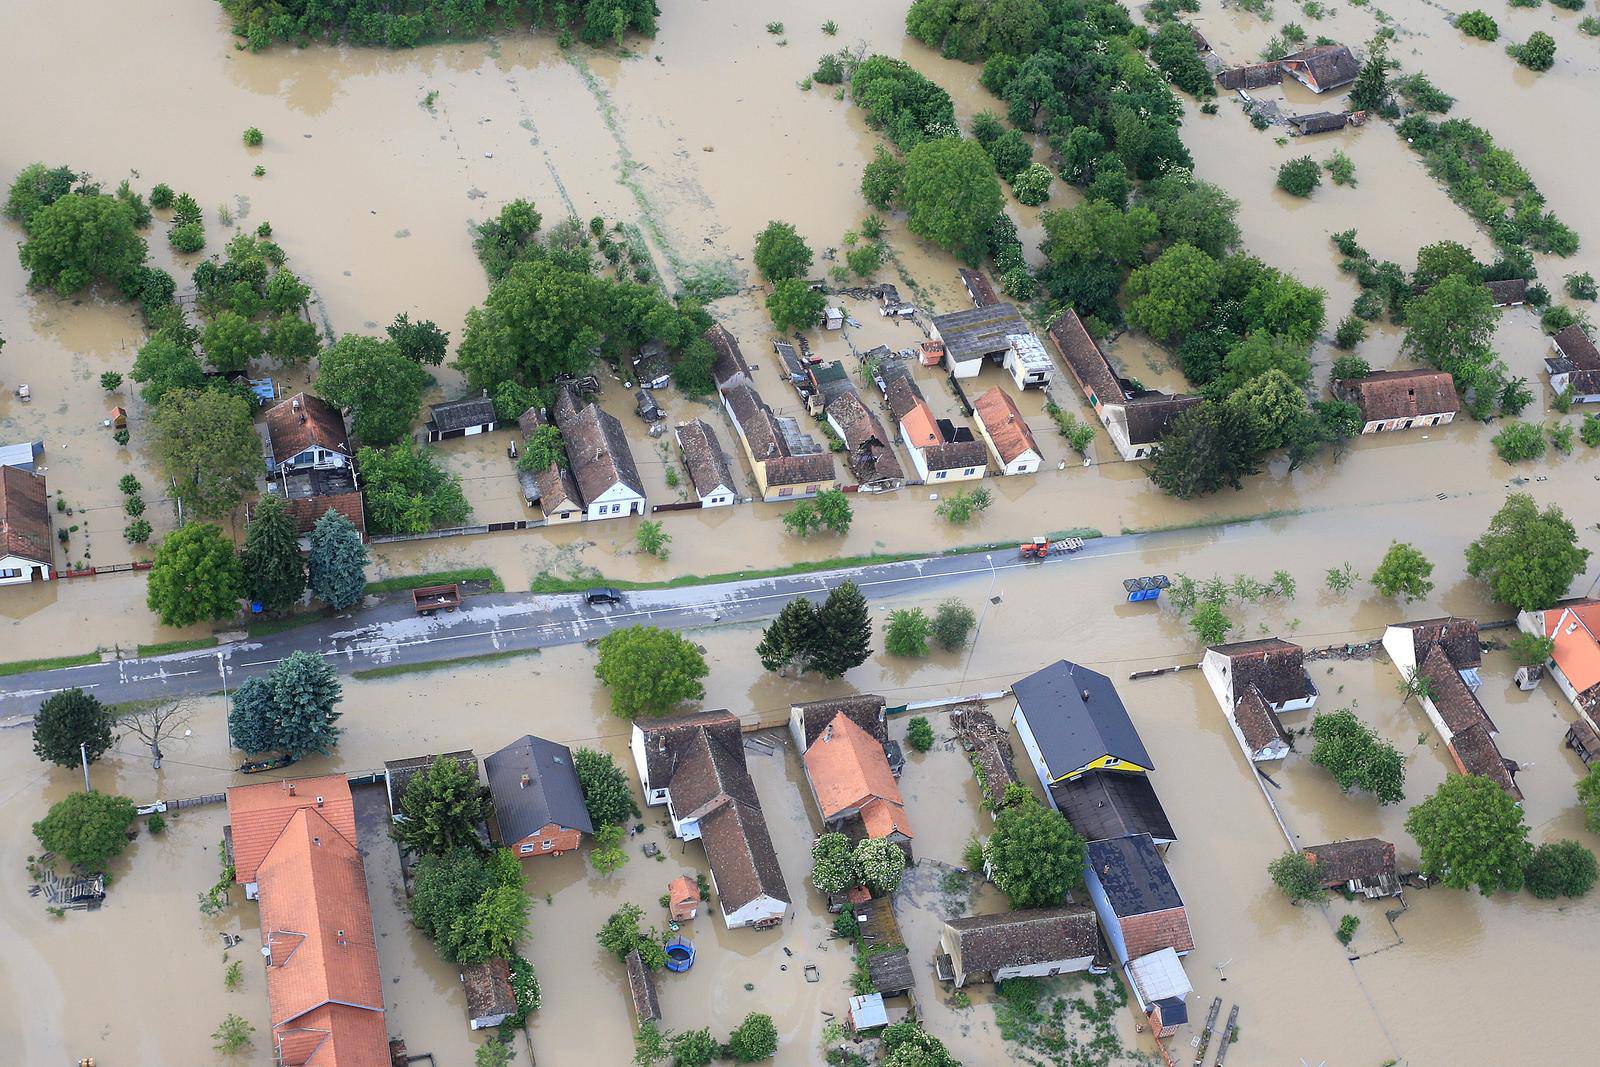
<point>940,474</point>
<point>968,471</point>
<point>10,572</point>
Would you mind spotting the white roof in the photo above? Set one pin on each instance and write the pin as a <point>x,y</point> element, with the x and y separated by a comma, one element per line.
<point>23,455</point>
<point>1159,976</point>
<point>868,1012</point>
<point>1030,351</point>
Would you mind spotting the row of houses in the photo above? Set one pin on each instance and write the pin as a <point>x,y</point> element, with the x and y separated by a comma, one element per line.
<point>787,462</point>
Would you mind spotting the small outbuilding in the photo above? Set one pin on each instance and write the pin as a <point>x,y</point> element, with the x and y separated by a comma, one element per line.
<point>642,990</point>
<point>461,418</point>
<point>1322,68</point>
<point>1364,865</point>
<point>1162,989</point>
<point>491,999</point>
<point>683,899</point>
<point>25,550</point>
<point>1017,944</point>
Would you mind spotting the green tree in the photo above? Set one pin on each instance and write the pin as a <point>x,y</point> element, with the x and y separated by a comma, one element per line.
<point>286,294</point>
<point>791,639</point>
<point>472,908</point>
<point>274,573</point>
<point>1560,869</point>
<point>1261,352</point>
<point>1034,856</point>
<point>620,935</point>
<point>1518,442</point>
<point>754,1039</point>
<point>231,341</point>
<point>406,492</point>
<point>1450,327</point>
<point>907,633</point>
<point>195,576</point>
<point>233,1036</point>
<point>1209,446</point>
<point>606,792</point>
<point>304,690</point>
<point>78,240</point>
<point>844,632</point>
<point>951,196</point>
<point>908,1045</point>
<point>1478,24</point>
<point>1589,799</point>
<point>649,670</point>
<point>1528,557</point>
<point>919,733</point>
<point>1471,833</point>
<point>1209,623</point>
<point>794,305</point>
<point>420,342</point>
<point>1296,876</point>
<point>693,1048</point>
<point>67,720</point>
<point>952,623</point>
<point>209,448</point>
<point>1538,52</point>
<point>292,340</point>
<point>881,863</point>
<point>1298,177</point>
<point>250,716</point>
<point>1096,230</point>
<point>506,238</point>
<point>1372,84</point>
<point>542,448</point>
<point>1172,295</point>
<point>781,252</point>
<point>1357,757</point>
<point>607,855</point>
<point>1404,570</point>
<point>1190,211</point>
<point>163,365</point>
<point>37,186</point>
<point>833,864</point>
<point>900,101</point>
<point>86,829</point>
<point>883,179</point>
<point>337,567</point>
<point>834,511</point>
<point>803,519</point>
<point>652,539</point>
<point>376,383</point>
<point>440,810</point>
<point>1441,259</point>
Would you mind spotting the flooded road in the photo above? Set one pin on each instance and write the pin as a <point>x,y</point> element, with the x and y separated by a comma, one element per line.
<point>371,189</point>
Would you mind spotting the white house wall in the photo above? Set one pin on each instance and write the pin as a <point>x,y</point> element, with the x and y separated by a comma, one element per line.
<point>1040,970</point>
<point>762,909</point>
<point>1034,755</point>
<point>26,566</point>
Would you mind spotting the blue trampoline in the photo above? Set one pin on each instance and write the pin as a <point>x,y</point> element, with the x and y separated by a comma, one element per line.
<point>680,955</point>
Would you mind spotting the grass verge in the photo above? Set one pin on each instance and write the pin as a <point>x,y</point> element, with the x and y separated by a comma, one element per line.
<point>549,583</point>
<point>1214,520</point>
<point>27,666</point>
<point>417,581</point>
<point>166,648</point>
<point>267,627</point>
<point>396,669</point>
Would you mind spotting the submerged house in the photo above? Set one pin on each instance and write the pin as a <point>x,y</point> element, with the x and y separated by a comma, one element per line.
<point>1322,68</point>
<point>1461,721</point>
<point>538,801</point>
<point>461,418</point>
<point>25,549</point>
<point>868,447</point>
<point>552,487</point>
<point>1574,626</point>
<point>1401,399</point>
<point>305,431</point>
<point>1408,645</point>
<point>1027,362</point>
<point>708,468</point>
<point>1258,729</point>
<point>694,764</point>
<point>1009,438</point>
<point>1072,721</point>
<point>295,850</point>
<point>1135,420</point>
<point>1113,804</point>
<point>1575,365</point>
<point>1018,944</point>
<point>853,785</point>
<point>491,999</point>
<point>1138,904</point>
<point>976,334</point>
<point>1364,865</point>
<point>600,460</point>
<point>312,492</point>
<point>1508,292</point>
<point>939,451</point>
<point>788,463</point>
<point>1274,666</point>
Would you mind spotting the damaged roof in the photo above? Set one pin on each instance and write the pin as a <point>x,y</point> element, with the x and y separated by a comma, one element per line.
<point>1257,721</point>
<point>1458,637</point>
<point>1025,938</point>
<point>974,333</point>
<point>729,363</point>
<point>1358,860</point>
<point>1272,665</point>
<point>866,710</point>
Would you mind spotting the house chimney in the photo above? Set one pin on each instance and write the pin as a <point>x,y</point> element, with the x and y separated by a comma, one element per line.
<point>1105,871</point>
<point>524,781</point>
<point>827,733</point>
<point>291,789</point>
<point>342,941</point>
<point>319,802</point>
<point>1085,696</point>
<point>295,404</point>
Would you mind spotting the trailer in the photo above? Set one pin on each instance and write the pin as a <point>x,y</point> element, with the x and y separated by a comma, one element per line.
<point>1041,547</point>
<point>430,598</point>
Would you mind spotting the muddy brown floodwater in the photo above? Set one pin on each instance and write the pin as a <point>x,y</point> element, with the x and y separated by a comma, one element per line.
<point>371,192</point>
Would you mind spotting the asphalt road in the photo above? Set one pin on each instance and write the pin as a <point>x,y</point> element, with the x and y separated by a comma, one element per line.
<point>391,634</point>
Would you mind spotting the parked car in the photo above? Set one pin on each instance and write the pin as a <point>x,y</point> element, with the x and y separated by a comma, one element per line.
<point>603,595</point>
<point>646,406</point>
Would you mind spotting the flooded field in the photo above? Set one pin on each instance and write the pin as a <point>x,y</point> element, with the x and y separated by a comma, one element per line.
<point>700,137</point>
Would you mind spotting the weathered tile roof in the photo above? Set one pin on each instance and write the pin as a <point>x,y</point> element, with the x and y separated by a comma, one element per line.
<point>811,469</point>
<point>1005,425</point>
<point>1085,360</point>
<point>1024,938</point>
<point>597,450</point>
<point>901,392</point>
<point>1477,753</point>
<point>863,709</point>
<point>488,988</point>
<point>1150,417</point>
<point>1457,705</point>
<point>1574,344</point>
<point>1403,394</point>
<point>662,738</point>
<point>24,515</point>
<point>709,771</point>
<point>729,363</point>
<point>741,855</point>
<point>642,990</point>
<point>533,784</point>
<point>702,454</point>
<point>460,414</point>
<point>1257,721</point>
<point>956,455</point>
<point>258,814</point>
<point>302,421</point>
<point>1361,859</point>
<point>1329,65</point>
<point>556,488</point>
<point>305,511</point>
<point>978,288</point>
<point>1272,665</point>
<point>857,425</point>
<point>1458,637</point>
<point>1508,291</point>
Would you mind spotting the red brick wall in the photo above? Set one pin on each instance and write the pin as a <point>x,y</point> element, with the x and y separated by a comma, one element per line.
<point>551,840</point>
<point>1158,930</point>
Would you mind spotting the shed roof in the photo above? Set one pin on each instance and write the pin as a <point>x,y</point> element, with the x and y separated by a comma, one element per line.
<point>1112,804</point>
<point>642,989</point>
<point>1403,394</point>
<point>461,414</point>
<point>24,515</point>
<point>974,333</point>
<point>302,421</point>
<point>1320,121</point>
<point>702,454</point>
<point>890,971</point>
<point>1133,876</point>
<point>1076,717</point>
<point>1025,938</point>
<point>1359,859</point>
<point>867,1011</point>
<point>978,287</point>
<point>1160,978</point>
<point>399,773</point>
<point>258,814</point>
<point>533,784</point>
<point>488,988</point>
<point>1005,425</point>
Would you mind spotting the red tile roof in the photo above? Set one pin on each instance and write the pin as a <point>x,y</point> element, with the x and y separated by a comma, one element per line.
<point>848,769</point>
<point>1403,394</point>
<point>1000,417</point>
<point>259,813</point>
<point>1575,628</point>
<point>302,421</point>
<point>24,515</point>
<point>305,511</point>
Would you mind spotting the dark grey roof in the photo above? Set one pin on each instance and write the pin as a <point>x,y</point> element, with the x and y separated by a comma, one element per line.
<point>979,331</point>
<point>1105,804</point>
<point>1458,638</point>
<point>552,793</point>
<point>1150,416</point>
<point>1134,877</point>
<point>642,989</point>
<point>1174,1011</point>
<point>1319,122</point>
<point>1024,938</point>
<point>955,455</point>
<point>460,414</point>
<point>891,972</point>
<point>1076,717</point>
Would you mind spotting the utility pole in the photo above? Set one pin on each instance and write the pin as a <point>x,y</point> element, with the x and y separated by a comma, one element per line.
<point>83,751</point>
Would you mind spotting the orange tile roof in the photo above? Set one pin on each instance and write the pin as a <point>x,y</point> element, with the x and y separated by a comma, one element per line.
<point>323,986</point>
<point>919,426</point>
<point>848,769</point>
<point>1576,630</point>
<point>1001,417</point>
<point>259,813</point>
